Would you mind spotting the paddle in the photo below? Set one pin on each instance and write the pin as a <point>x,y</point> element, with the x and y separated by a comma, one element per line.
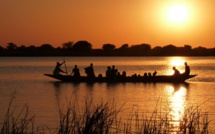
<point>65,66</point>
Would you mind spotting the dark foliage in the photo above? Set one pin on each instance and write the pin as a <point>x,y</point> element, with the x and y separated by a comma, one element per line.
<point>84,48</point>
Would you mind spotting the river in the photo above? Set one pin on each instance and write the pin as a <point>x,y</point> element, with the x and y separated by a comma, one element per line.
<point>24,76</point>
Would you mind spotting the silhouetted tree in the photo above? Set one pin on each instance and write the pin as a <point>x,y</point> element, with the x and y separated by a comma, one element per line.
<point>1,48</point>
<point>67,45</point>
<point>200,51</point>
<point>20,50</point>
<point>140,50</point>
<point>123,50</point>
<point>183,51</point>
<point>124,47</point>
<point>46,47</point>
<point>82,48</point>
<point>213,51</point>
<point>22,47</point>
<point>46,50</point>
<point>11,49</point>
<point>188,47</point>
<point>169,50</point>
<point>32,51</point>
<point>31,48</point>
<point>108,47</point>
<point>67,49</point>
<point>1,51</point>
<point>156,51</point>
<point>97,52</point>
<point>11,46</point>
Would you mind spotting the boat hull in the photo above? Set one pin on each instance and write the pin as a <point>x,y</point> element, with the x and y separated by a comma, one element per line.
<point>160,78</point>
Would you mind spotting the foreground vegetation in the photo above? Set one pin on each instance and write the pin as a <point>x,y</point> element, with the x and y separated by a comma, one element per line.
<point>105,118</point>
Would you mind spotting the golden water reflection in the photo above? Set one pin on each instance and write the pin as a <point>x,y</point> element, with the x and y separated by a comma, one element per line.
<point>178,62</point>
<point>177,102</point>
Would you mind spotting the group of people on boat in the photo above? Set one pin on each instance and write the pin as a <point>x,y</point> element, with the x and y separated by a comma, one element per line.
<point>186,72</point>
<point>111,72</point>
<point>75,71</point>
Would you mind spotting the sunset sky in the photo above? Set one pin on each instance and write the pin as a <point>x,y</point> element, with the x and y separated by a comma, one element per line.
<point>155,22</point>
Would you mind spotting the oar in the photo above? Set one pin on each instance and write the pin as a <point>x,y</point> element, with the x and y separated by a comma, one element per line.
<point>65,66</point>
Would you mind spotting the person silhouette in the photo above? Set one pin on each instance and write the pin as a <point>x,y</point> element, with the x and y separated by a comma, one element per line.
<point>75,72</point>
<point>176,72</point>
<point>187,69</point>
<point>155,72</point>
<point>113,71</point>
<point>57,69</point>
<point>108,72</point>
<point>90,71</point>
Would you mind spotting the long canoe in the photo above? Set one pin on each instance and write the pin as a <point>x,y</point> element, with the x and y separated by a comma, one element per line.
<point>159,78</point>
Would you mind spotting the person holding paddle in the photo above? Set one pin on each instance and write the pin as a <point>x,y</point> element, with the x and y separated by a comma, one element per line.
<point>57,69</point>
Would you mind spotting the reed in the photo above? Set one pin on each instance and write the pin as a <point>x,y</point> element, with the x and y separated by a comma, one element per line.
<point>105,117</point>
<point>193,122</point>
<point>19,123</point>
<point>91,119</point>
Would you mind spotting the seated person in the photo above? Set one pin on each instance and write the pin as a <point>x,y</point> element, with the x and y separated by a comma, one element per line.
<point>187,69</point>
<point>176,72</point>
<point>155,72</point>
<point>145,75</point>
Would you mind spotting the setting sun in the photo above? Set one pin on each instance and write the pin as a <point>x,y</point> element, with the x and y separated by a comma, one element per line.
<point>158,23</point>
<point>177,13</point>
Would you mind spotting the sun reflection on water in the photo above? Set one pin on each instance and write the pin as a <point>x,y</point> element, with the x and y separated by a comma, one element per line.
<point>177,103</point>
<point>178,62</point>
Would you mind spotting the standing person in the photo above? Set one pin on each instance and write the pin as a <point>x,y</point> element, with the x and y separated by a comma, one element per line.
<point>75,72</point>
<point>113,72</point>
<point>108,72</point>
<point>187,69</point>
<point>176,72</point>
<point>90,71</point>
<point>57,69</point>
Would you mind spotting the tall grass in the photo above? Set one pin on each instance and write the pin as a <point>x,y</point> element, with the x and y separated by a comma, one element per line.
<point>19,123</point>
<point>193,122</point>
<point>92,119</point>
<point>104,117</point>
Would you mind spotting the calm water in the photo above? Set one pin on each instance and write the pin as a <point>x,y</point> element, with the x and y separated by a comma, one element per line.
<point>42,94</point>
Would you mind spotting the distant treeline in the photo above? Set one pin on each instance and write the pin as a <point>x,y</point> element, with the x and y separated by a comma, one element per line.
<point>84,48</point>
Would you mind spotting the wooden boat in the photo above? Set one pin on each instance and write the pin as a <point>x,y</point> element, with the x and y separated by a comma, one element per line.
<point>147,79</point>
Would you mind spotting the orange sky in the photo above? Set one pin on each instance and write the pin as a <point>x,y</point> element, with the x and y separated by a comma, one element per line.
<point>36,22</point>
